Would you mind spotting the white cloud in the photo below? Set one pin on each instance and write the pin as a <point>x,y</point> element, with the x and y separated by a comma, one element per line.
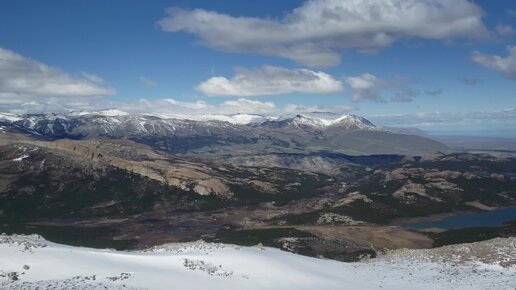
<point>505,65</point>
<point>366,87</point>
<point>26,83</point>
<point>92,78</point>
<point>300,108</point>
<point>314,33</point>
<point>172,107</point>
<point>247,106</point>
<point>148,82</point>
<point>370,87</point>
<point>271,80</point>
<point>29,86</point>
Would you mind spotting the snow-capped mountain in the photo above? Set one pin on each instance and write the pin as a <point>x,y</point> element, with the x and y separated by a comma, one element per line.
<point>108,112</point>
<point>115,123</point>
<point>236,119</point>
<point>111,124</point>
<point>176,133</point>
<point>346,122</point>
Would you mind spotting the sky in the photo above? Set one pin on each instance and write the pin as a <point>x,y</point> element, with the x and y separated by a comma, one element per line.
<point>433,64</point>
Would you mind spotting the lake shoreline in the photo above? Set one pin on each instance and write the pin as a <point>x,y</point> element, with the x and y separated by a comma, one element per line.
<point>404,222</point>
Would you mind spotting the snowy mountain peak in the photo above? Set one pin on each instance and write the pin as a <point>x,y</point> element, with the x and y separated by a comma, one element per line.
<point>107,112</point>
<point>303,120</point>
<point>6,117</point>
<point>354,122</point>
<point>351,122</point>
<point>236,119</point>
<point>310,121</point>
<point>115,123</point>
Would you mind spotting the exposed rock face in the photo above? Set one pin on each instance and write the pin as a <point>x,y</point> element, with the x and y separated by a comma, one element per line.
<point>446,174</point>
<point>264,186</point>
<point>352,197</point>
<point>212,186</point>
<point>444,186</point>
<point>409,191</point>
<point>403,173</point>
<point>182,174</point>
<point>333,218</point>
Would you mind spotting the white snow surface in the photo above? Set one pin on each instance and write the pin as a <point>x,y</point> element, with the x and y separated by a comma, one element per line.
<point>6,117</point>
<point>18,159</point>
<point>346,121</point>
<point>28,262</point>
<point>236,119</point>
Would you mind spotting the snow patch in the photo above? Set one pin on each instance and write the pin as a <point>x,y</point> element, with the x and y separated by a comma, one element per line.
<point>30,261</point>
<point>18,159</point>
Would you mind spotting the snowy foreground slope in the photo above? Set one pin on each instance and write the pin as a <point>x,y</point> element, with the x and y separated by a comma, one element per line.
<point>27,262</point>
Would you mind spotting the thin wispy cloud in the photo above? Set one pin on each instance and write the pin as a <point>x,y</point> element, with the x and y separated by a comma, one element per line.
<point>369,87</point>
<point>469,81</point>
<point>504,30</point>
<point>147,81</point>
<point>434,92</point>
<point>496,119</point>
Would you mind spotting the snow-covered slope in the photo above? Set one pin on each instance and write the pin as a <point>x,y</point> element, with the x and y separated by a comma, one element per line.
<point>235,119</point>
<point>351,121</point>
<point>113,123</point>
<point>345,122</point>
<point>28,262</point>
<point>108,112</point>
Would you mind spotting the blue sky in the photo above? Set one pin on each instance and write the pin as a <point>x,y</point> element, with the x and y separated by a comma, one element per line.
<point>120,53</point>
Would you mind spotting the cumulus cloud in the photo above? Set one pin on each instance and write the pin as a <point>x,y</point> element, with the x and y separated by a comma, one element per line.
<point>271,80</point>
<point>370,87</point>
<point>148,82</point>
<point>26,83</point>
<point>505,65</point>
<point>315,33</point>
<point>29,86</point>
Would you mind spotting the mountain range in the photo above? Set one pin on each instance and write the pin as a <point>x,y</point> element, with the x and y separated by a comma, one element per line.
<point>233,135</point>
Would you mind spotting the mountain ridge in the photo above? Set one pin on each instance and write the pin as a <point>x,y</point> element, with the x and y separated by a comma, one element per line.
<point>349,134</point>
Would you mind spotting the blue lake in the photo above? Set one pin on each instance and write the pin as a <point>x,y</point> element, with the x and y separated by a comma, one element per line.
<point>470,220</point>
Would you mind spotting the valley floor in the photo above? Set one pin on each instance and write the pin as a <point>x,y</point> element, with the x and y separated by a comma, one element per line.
<point>28,262</point>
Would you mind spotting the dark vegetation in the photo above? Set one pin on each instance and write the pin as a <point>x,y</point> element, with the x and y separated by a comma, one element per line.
<point>98,237</point>
<point>470,235</point>
<point>294,240</point>
<point>49,186</point>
